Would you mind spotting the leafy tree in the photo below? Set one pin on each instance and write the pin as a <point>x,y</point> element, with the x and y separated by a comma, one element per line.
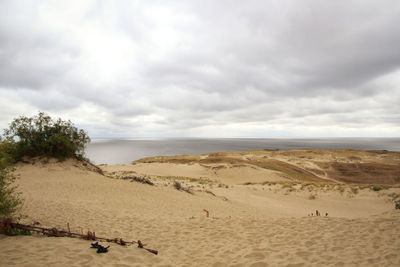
<point>42,136</point>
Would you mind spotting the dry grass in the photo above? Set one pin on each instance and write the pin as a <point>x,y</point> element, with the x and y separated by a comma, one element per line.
<point>291,171</point>
<point>363,173</point>
<point>142,180</point>
<point>312,196</point>
<point>178,186</point>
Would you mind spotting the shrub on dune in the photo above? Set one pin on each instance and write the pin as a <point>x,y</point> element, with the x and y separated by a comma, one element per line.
<point>36,136</point>
<point>42,136</point>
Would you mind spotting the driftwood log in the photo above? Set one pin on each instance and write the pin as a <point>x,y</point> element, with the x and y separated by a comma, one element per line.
<point>8,227</point>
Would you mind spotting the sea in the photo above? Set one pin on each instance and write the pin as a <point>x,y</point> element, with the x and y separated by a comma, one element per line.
<point>120,151</point>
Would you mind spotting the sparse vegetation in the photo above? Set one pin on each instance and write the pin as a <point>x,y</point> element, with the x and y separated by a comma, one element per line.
<point>142,180</point>
<point>10,199</point>
<point>202,181</point>
<point>362,173</point>
<point>342,165</point>
<point>178,186</point>
<point>377,188</point>
<point>210,192</point>
<point>395,196</point>
<point>354,190</point>
<point>341,189</point>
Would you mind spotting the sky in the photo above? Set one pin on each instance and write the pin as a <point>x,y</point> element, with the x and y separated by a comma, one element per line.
<point>204,68</point>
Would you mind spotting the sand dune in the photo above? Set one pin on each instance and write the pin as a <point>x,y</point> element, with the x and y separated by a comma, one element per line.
<point>249,225</point>
<point>340,165</point>
<point>220,173</point>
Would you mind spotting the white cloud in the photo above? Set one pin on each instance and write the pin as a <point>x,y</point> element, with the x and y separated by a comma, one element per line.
<point>204,68</point>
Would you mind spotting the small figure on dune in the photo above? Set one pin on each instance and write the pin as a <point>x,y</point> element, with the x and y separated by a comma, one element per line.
<point>317,213</point>
<point>326,214</point>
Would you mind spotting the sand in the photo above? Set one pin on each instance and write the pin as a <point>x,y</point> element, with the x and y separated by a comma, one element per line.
<point>221,173</point>
<point>249,225</point>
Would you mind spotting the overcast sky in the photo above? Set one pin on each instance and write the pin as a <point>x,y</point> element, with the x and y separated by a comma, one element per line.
<point>204,68</point>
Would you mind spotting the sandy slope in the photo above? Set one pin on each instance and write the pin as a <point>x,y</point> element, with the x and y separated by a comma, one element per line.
<point>255,225</point>
<point>221,173</point>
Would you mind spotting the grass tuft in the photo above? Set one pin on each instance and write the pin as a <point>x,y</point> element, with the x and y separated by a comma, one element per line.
<point>312,196</point>
<point>178,186</point>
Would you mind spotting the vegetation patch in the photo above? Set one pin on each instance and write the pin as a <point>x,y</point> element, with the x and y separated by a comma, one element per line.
<point>362,173</point>
<point>138,179</point>
<point>312,196</point>
<point>10,198</point>
<point>354,190</point>
<point>210,192</point>
<point>395,196</point>
<point>178,186</point>
<point>378,187</point>
<point>290,170</point>
<point>42,136</point>
<point>202,181</point>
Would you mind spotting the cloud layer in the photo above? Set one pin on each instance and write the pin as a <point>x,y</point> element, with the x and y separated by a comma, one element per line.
<point>204,68</point>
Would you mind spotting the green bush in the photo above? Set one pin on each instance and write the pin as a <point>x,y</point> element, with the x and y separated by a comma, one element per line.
<point>42,136</point>
<point>10,201</point>
<point>377,188</point>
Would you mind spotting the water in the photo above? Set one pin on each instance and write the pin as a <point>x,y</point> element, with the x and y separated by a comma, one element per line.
<point>113,151</point>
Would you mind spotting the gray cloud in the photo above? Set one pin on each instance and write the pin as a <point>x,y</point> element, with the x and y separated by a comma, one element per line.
<point>209,68</point>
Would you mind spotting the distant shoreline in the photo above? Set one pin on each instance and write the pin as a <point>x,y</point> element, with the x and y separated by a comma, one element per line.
<point>120,151</point>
